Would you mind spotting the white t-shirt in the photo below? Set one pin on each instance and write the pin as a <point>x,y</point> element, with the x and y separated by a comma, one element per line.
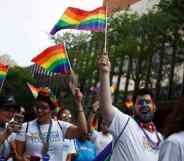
<point>34,144</point>
<point>172,148</point>
<point>6,146</point>
<point>101,140</point>
<point>132,144</point>
<point>68,148</point>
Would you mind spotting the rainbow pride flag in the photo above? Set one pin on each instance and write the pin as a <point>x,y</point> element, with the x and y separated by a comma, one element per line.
<point>54,59</point>
<point>75,18</point>
<point>34,90</point>
<point>3,72</point>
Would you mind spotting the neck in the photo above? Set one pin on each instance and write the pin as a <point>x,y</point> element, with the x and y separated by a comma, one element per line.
<point>45,120</point>
<point>105,132</point>
<point>150,126</point>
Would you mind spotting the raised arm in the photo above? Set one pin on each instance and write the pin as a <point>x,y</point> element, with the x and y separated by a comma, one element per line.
<point>76,131</point>
<point>105,93</point>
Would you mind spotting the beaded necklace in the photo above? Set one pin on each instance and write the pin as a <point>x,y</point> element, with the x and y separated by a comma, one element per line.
<point>154,145</point>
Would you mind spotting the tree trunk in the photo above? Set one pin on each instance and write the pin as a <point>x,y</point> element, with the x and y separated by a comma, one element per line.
<point>171,77</point>
<point>119,78</point>
<point>159,78</point>
<point>130,63</point>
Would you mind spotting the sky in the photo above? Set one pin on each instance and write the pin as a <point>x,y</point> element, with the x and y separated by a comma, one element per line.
<point>25,24</point>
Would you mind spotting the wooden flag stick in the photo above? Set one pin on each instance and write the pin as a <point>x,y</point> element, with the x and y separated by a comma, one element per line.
<point>106,27</point>
<point>68,58</point>
<point>73,82</point>
<point>3,80</point>
<point>2,84</point>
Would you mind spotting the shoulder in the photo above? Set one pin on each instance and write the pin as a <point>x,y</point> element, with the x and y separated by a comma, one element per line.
<point>121,118</point>
<point>28,124</point>
<point>62,123</point>
<point>176,138</point>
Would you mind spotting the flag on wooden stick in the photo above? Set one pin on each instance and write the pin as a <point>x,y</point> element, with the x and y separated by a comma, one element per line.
<point>54,59</point>
<point>3,73</point>
<point>75,18</point>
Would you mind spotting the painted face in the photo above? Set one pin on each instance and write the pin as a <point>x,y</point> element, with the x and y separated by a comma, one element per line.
<point>145,108</point>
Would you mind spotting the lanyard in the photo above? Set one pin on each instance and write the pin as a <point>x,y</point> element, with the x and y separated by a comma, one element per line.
<point>45,144</point>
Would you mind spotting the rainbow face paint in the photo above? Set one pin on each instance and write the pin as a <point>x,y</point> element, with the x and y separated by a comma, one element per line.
<point>144,108</point>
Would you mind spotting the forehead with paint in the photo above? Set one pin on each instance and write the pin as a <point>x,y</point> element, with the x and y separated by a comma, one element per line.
<point>144,106</point>
<point>143,93</point>
<point>145,100</point>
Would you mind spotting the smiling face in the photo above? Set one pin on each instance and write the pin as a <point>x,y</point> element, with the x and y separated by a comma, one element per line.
<point>42,110</point>
<point>144,108</point>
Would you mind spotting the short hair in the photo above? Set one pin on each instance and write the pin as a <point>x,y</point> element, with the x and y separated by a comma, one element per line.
<point>142,92</point>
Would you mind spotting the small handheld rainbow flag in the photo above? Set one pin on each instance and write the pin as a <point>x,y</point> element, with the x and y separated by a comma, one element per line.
<point>3,73</point>
<point>54,59</point>
<point>34,90</point>
<point>75,18</point>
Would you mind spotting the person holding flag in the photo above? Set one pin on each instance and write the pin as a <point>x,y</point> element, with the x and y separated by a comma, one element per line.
<point>135,139</point>
<point>42,138</point>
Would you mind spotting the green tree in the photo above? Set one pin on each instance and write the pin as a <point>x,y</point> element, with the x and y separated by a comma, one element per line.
<point>15,84</point>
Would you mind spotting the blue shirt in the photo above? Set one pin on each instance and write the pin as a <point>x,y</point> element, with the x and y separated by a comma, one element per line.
<point>86,150</point>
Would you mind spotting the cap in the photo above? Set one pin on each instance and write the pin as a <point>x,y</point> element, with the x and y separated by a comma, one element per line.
<point>8,101</point>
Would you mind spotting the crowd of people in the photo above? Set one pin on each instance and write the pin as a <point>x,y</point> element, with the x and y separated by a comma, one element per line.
<point>132,137</point>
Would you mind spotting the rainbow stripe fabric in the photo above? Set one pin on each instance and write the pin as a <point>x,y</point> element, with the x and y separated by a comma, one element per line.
<point>54,59</point>
<point>34,90</point>
<point>74,18</point>
<point>3,72</point>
